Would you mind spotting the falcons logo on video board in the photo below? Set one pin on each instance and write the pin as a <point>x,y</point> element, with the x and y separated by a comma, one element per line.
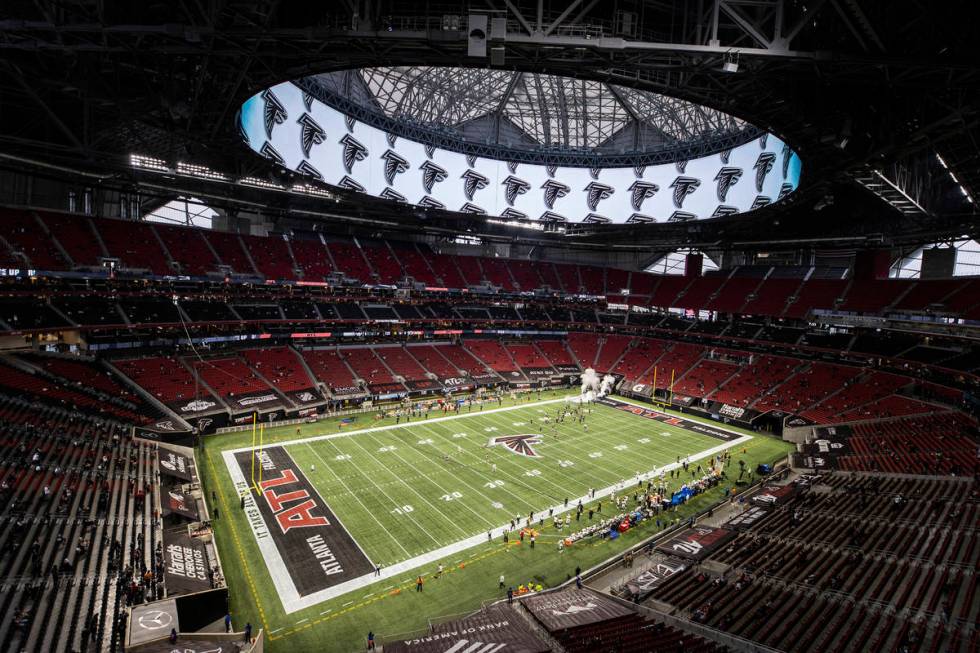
<point>307,100</point>
<point>307,169</point>
<point>641,190</point>
<point>430,203</point>
<point>429,151</point>
<point>595,218</point>
<point>472,182</point>
<point>551,216</point>
<point>551,170</point>
<point>471,160</point>
<point>391,138</point>
<point>472,208</point>
<point>726,178</point>
<point>311,134</point>
<point>723,210</point>
<point>681,216</point>
<point>637,218</point>
<point>432,174</point>
<point>273,111</point>
<point>353,151</point>
<point>785,190</point>
<point>512,167</point>
<point>681,166</point>
<point>762,141</point>
<point>759,202</point>
<point>638,171</point>
<point>763,165</point>
<point>724,155</point>
<point>596,193</point>
<point>787,153</point>
<point>270,152</point>
<point>513,187</point>
<point>390,193</point>
<point>553,190</point>
<point>683,186</point>
<point>349,121</point>
<point>513,213</point>
<point>394,164</point>
<point>519,444</point>
<point>350,184</point>
<point>594,172</point>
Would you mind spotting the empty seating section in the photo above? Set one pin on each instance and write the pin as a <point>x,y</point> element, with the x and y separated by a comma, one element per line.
<point>90,376</point>
<point>555,352</point>
<point>815,293</point>
<point>228,377</point>
<point>546,272</point>
<point>926,293</point>
<point>444,267</point>
<point>165,378</point>
<point>612,347</point>
<point>617,280</point>
<point>386,266</point>
<point>527,356</point>
<point>639,358</point>
<point>807,387</point>
<point>401,362</point>
<point>966,300</point>
<point>349,260</point>
<point>934,444</point>
<point>367,366</point>
<point>873,296</point>
<point>702,379</point>
<point>697,293</point>
<point>886,407</point>
<point>78,497</point>
<point>755,380</point>
<point>665,295</point>
<point>569,277</point>
<point>134,244</point>
<point>593,279</point>
<point>414,264</point>
<point>492,353</point>
<point>733,295</point>
<point>188,249</point>
<point>495,271</point>
<point>770,298</point>
<point>329,367</point>
<point>16,382</point>
<point>430,358</point>
<point>24,234</point>
<point>461,358</point>
<point>271,256</point>
<point>865,564</point>
<point>584,347</point>
<point>280,367</point>
<point>675,361</point>
<point>632,634</point>
<point>312,258</point>
<point>228,247</point>
<point>871,387</point>
<point>525,274</point>
<point>77,237</point>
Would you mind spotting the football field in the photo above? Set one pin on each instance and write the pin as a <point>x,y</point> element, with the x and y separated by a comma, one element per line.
<point>316,514</point>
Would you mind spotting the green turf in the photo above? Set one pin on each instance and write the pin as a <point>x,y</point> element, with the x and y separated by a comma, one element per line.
<point>453,493</point>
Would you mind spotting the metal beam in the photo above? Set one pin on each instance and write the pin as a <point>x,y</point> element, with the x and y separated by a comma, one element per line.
<point>746,25</point>
<point>562,16</point>
<point>520,17</point>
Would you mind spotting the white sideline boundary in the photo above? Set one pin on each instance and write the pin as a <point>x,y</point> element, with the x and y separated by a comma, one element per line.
<point>288,594</point>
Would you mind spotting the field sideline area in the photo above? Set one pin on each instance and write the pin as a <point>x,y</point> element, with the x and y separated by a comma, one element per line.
<point>413,496</point>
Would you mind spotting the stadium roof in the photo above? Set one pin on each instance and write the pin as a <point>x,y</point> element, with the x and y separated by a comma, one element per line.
<point>530,110</point>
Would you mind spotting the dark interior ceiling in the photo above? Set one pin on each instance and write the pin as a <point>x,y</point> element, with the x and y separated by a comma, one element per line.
<point>862,90</point>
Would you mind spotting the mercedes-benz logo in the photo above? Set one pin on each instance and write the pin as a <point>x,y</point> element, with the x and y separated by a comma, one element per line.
<point>155,619</point>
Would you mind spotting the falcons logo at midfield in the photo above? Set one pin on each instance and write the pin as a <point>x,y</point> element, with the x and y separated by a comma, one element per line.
<point>519,444</point>
<point>683,186</point>
<point>596,193</point>
<point>554,190</point>
<point>311,133</point>
<point>763,165</point>
<point>353,151</point>
<point>395,164</point>
<point>472,182</point>
<point>727,177</point>
<point>513,187</point>
<point>432,174</point>
<point>270,152</point>
<point>307,169</point>
<point>273,111</point>
<point>350,184</point>
<point>641,190</point>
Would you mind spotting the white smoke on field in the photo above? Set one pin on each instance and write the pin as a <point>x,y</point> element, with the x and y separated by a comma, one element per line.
<point>590,384</point>
<point>607,384</point>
